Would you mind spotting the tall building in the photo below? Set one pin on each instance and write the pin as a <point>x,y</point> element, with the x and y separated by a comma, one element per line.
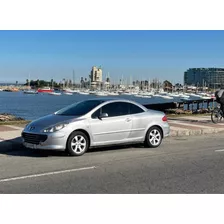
<point>201,77</point>
<point>96,75</point>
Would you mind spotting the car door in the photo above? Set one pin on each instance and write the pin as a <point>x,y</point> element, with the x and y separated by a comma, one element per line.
<point>139,122</point>
<point>115,128</point>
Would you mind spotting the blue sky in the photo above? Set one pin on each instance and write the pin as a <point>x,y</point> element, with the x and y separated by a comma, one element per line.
<point>136,54</point>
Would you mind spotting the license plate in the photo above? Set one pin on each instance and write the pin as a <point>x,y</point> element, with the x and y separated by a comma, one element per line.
<point>31,146</point>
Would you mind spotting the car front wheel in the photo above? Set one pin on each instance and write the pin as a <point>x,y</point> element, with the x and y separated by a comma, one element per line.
<point>153,137</point>
<point>78,143</point>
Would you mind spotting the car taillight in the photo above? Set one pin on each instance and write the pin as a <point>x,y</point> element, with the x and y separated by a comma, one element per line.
<point>164,118</point>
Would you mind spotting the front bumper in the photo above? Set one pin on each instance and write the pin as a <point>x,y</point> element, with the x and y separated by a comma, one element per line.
<point>54,141</point>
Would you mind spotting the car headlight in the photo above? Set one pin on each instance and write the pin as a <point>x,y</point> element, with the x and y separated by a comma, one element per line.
<point>55,128</point>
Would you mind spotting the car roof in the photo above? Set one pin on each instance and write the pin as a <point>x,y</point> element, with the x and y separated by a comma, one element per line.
<point>104,100</point>
<point>110,100</point>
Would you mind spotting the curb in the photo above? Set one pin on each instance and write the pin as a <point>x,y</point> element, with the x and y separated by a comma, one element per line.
<point>195,132</point>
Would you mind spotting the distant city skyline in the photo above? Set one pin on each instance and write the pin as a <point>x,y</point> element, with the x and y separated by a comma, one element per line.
<point>140,55</point>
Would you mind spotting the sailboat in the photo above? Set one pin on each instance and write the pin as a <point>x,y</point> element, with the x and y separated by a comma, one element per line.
<point>84,92</point>
<point>68,90</point>
<point>101,93</point>
<point>45,90</point>
<point>54,93</point>
<point>68,93</point>
<point>113,94</point>
<point>29,90</point>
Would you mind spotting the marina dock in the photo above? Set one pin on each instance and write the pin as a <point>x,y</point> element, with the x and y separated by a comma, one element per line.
<point>185,105</point>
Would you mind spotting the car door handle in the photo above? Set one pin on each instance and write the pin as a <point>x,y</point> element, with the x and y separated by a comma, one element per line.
<point>128,119</point>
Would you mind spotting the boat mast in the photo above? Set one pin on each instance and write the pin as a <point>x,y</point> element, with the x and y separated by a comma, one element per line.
<point>29,82</point>
<point>73,79</point>
<point>108,84</point>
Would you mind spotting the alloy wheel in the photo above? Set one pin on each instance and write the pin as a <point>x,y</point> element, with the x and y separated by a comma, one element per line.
<point>154,137</point>
<point>78,144</point>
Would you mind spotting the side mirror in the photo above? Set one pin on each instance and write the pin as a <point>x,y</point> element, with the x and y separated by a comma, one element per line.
<point>103,115</point>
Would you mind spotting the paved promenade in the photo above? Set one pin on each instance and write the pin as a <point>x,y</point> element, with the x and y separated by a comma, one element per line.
<point>194,125</point>
<point>10,139</point>
<point>180,126</point>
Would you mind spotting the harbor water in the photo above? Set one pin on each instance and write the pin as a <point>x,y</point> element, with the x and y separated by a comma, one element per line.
<point>33,106</point>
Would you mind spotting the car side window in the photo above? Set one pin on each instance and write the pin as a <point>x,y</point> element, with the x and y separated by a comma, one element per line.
<point>96,114</point>
<point>134,109</point>
<point>116,109</point>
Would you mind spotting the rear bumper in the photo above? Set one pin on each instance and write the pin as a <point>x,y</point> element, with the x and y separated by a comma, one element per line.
<point>166,130</point>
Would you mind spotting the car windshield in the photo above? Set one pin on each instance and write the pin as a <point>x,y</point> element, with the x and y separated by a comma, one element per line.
<point>79,109</point>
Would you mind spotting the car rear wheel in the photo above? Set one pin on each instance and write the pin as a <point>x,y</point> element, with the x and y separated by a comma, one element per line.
<point>153,137</point>
<point>78,143</point>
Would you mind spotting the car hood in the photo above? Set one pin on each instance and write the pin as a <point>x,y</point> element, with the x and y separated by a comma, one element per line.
<point>51,120</point>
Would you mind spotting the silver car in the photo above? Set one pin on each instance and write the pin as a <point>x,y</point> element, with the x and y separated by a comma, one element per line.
<point>96,122</point>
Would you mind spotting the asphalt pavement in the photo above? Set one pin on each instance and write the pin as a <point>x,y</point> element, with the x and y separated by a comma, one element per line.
<point>188,164</point>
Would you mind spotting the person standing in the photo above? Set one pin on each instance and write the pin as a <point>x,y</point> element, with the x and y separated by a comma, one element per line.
<point>220,98</point>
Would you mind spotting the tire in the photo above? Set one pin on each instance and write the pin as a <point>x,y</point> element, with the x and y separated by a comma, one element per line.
<point>153,137</point>
<point>77,144</point>
<point>216,116</point>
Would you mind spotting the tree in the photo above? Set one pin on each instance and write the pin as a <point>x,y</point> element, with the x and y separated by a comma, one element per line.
<point>178,85</point>
<point>52,83</point>
<point>32,83</point>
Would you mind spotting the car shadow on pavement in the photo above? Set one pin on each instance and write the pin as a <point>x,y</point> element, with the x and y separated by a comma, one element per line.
<point>14,147</point>
<point>115,148</point>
